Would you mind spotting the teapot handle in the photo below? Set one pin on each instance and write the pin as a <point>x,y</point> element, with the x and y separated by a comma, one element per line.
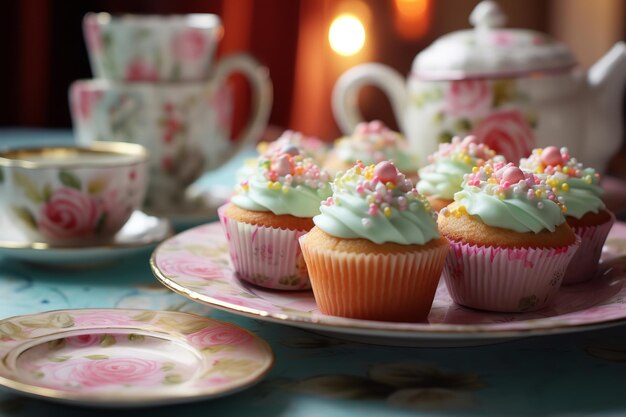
<point>346,92</point>
<point>261,92</point>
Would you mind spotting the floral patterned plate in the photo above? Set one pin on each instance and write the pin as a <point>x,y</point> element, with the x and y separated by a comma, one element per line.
<point>122,358</point>
<point>141,232</point>
<point>196,264</point>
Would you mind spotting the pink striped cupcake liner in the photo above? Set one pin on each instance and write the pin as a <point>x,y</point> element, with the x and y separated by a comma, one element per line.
<point>505,279</point>
<point>584,265</point>
<point>266,256</point>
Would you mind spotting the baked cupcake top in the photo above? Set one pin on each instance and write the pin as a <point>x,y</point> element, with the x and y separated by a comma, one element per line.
<point>577,186</point>
<point>309,146</point>
<point>284,183</point>
<point>505,196</point>
<point>444,174</point>
<point>377,203</point>
<point>372,143</point>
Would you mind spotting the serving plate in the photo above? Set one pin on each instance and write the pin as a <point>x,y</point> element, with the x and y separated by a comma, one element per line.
<point>196,264</point>
<point>127,358</point>
<point>141,232</point>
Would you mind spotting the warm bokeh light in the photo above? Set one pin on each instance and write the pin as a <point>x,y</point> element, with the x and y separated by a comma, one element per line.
<point>346,35</point>
<point>412,17</point>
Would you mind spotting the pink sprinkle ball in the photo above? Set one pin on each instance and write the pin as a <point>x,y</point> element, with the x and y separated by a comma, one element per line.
<point>551,155</point>
<point>282,165</point>
<point>386,172</point>
<point>512,175</point>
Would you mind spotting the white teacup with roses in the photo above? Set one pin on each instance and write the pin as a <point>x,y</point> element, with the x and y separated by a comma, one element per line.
<point>73,195</point>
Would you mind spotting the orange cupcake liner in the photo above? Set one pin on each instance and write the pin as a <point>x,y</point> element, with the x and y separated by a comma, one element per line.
<point>384,287</point>
<point>584,265</point>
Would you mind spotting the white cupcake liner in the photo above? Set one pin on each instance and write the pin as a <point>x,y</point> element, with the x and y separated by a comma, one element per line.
<point>584,264</point>
<point>386,287</point>
<point>265,256</point>
<point>504,279</point>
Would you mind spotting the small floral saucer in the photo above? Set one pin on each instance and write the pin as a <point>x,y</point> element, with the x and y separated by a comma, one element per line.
<point>141,232</point>
<point>125,358</point>
<point>196,264</point>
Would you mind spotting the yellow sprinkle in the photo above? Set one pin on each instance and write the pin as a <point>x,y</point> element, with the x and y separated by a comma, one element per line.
<point>588,179</point>
<point>565,186</point>
<point>387,211</point>
<point>390,186</point>
<point>565,170</point>
<point>492,181</point>
<point>285,189</point>
<point>475,169</point>
<point>270,185</point>
<point>563,209</point>
<point>277,186</point>
<point>467,159</point>
<point>540,169</point>
<point>538,193</point>
<point>539,151</point>
<point>370,199</point>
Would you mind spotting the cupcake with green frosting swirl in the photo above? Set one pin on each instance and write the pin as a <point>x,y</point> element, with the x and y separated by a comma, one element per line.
<point>444,175</point>
<point>375,252</point>
<point>371,143</point>
<point>271,208</point>
<point>510,243</point>
<point>578,187</point>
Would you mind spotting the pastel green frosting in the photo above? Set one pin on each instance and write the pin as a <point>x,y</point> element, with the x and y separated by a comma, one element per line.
<point>299,201</point>
<point>515,213</point>
<point>350,150</point>
<point>299,196</point>
<point>582,197</point>
<point>349,216</point>
<point>443,178</point>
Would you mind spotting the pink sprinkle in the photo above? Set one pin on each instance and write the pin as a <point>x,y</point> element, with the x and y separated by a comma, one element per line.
<point>506,185</point>
<point>373,210</point>
<point>359,188</point>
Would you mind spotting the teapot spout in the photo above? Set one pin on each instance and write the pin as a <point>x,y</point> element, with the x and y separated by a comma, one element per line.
<point>606,80</point>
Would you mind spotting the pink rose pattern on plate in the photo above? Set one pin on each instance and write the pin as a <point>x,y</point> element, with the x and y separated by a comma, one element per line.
<point>92,361</point>
<point>189,45</point>
<point>574,305</point>
<point>87,373</point>
<point>140,70</point>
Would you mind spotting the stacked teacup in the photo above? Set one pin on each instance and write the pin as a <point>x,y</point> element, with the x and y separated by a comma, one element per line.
<point>157,84</point>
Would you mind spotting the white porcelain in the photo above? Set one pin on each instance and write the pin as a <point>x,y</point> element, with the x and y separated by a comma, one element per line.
<point>140,233</point>
<point>73,195</point>
<point>196,264</point>
<point>186,126</point>
<point>118,358</point>
<point>151,47</point>
<point>515,89</point>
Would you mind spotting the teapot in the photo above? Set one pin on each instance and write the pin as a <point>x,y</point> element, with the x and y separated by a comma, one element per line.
<point>514,89</point>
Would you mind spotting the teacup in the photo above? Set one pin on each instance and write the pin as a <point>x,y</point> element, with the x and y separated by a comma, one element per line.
<point>73,195</point>
<point>150,47</point>
<point>186,126</point>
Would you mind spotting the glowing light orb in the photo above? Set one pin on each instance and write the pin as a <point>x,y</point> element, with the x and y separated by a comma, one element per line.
<point>346,35</point>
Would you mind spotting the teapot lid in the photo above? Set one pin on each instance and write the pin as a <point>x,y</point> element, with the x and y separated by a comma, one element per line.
<point>489,51</point>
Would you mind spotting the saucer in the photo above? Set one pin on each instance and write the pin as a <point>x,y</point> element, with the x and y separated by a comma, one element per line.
<point>197,265</point>
<point>128,358</point>
<point>141,232</point>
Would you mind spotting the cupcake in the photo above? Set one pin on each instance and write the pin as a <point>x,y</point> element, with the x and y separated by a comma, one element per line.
<point>444,175</point>
<point>579,189</point>
<point>375,252</point>
<point>509,241</point>
<point>371,143</point>
<point>270,210</point>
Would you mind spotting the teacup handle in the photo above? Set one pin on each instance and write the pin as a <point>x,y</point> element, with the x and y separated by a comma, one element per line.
<point>346,93</point>
<point>261,92</point>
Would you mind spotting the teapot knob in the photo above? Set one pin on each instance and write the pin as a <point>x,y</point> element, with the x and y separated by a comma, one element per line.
<point>487,14</point>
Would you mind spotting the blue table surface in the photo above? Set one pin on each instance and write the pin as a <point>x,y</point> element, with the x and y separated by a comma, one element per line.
<point>567,375</point>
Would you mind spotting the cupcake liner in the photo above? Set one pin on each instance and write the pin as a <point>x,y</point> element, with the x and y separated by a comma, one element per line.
<point>505,279</point>
<point>266,256</point>
<point>386,287</point>
<point>584,264</point>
